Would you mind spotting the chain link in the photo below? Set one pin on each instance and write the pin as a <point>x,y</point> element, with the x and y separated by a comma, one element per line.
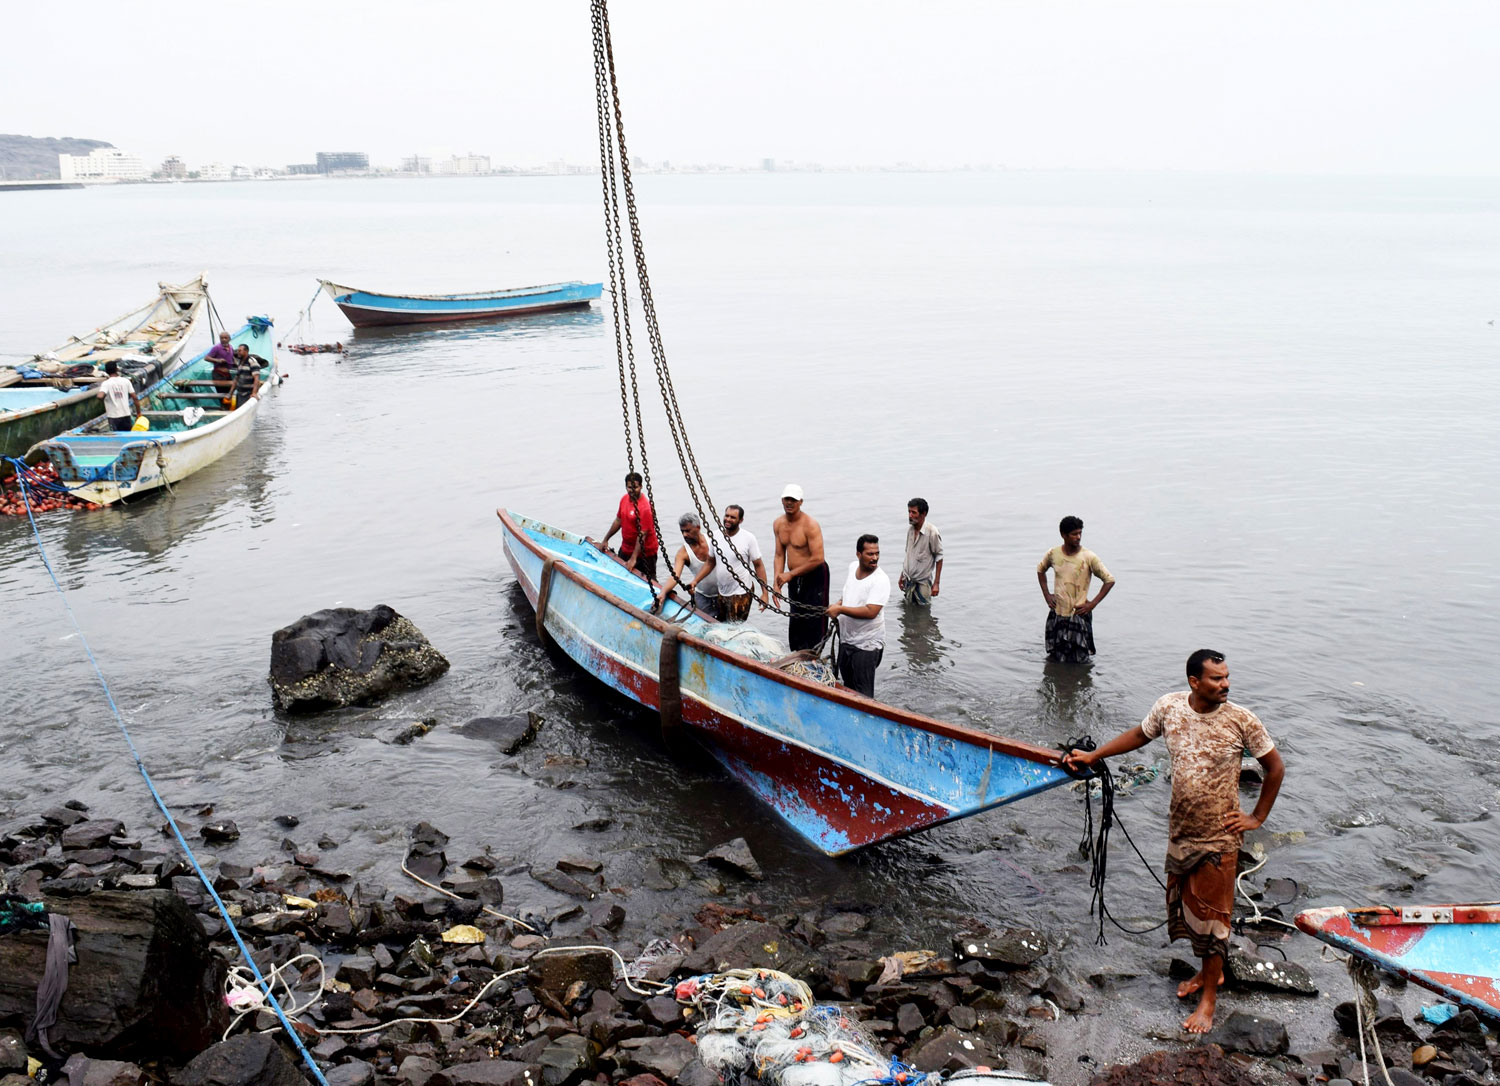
<point>615,172</point>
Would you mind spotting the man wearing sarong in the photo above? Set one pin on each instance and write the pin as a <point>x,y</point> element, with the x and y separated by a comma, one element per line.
<point>1070,612</point>
<point>801,571</point>
<point>1205,733</point>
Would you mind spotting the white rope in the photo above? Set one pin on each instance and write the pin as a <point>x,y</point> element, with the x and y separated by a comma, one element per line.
<point>1362,973</point>
<point>409,873</point>
<point>242,991</point>
<point>1258,917</point>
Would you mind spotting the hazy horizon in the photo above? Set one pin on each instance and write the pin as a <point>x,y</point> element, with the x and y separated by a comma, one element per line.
<point>1237,87</point>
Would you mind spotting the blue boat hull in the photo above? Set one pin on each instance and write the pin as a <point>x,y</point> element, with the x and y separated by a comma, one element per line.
<point>844,770</point>
<point>367,309</point>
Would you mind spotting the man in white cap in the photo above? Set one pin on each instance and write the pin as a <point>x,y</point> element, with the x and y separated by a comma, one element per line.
<point>801,571</point>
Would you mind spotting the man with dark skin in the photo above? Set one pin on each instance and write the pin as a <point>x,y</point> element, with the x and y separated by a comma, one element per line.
<point>1205,734</point>
<point>800,568</point>
<point>1069,633</point>
<point>636,522</point>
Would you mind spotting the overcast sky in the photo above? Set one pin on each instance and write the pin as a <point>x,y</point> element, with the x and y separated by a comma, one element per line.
<point>1364,86</point>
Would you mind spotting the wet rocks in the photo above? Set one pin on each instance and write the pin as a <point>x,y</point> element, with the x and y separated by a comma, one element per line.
<point>250,1059</point>
<point>1242,1032</point>
<point>342,656</point>
<point>1251,971</point>
<point>1206,1065</point>
<point>735,856</point>
<point>151,986</point>
<point>509,733</point>
<point>1014,948</point>
<point>217,833</point>
<point>91,834</point>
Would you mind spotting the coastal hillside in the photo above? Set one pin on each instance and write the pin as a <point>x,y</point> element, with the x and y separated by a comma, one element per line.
<point>34,158</point>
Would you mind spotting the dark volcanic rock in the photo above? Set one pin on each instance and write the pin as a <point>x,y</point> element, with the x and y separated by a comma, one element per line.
<point>82,1071</point>
<point>1242,1032</point>
<point>92,834</point>
<point>509,733</point>
<point>1250,971</point>
<point>12,1052</point>
<point>556,973</point>
<point>563,884</point>
<point>146,984</point>
<point>1205,1065</point>
<point>250,1059</point>
<point>749,944</point>
<point>664,1057</point>
<point>218,832</point>
<point>343,656</point>
<point>1014,948</point>
<point>950,1050</point>
<point>736,856</point>
<point>489,1073</point>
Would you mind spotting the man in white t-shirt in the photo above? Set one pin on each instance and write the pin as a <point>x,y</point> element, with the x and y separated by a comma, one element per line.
<point>742,551</point>
<point>861,617</point>
<point>119,397</point>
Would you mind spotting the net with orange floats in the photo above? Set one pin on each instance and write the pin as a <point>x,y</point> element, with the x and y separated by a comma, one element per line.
<point>39,486</point>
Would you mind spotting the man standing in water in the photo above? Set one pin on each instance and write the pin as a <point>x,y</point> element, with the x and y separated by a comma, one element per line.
<point>922,569</point>
<point>636,523</point>
<point>1070,618</point>
<point>1205,734</point>
<point>799,566</point>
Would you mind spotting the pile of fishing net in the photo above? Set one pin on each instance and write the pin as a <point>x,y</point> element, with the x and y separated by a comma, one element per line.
<point>762,1025</point>
<point>748,641</point>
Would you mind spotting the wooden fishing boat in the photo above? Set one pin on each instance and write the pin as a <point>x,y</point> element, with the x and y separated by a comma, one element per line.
<point>1452,949</point>
<point>54,391</point>
<point>189,430</point>
<point>366,309</point>
<point>844,770</point>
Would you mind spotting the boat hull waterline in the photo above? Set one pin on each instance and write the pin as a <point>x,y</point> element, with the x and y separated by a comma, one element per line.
<point>103,466</point>
<point>370,309</point>
<point>1453,950</point>
<point>843,770</point>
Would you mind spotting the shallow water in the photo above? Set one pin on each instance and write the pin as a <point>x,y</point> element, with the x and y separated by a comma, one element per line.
<point>1270,400</point>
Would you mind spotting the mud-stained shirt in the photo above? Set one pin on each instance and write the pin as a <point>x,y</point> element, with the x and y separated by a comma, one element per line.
<point>1205,751</point>
<point>1070,577</point>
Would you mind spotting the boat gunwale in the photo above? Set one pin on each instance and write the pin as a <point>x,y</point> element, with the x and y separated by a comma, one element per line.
<point>848,698</point>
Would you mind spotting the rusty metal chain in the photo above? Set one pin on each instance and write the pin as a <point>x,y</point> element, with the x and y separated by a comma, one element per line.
<point>614,155</point>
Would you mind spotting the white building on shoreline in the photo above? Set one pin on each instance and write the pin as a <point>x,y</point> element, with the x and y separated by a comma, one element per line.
<point>102,164</point>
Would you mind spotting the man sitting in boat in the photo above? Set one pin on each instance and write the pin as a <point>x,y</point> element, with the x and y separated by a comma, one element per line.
<point>246,376</point>
<point>223,371</point>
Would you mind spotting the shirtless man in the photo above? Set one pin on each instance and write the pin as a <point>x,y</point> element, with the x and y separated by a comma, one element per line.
<point>801,571</point>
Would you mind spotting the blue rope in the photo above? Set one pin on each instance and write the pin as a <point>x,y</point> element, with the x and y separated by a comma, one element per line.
<point>30,477</point>
<point>162,806</point>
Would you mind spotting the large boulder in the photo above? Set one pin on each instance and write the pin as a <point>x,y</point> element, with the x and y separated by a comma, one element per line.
<point>145,983</point>
<point>343,656</point>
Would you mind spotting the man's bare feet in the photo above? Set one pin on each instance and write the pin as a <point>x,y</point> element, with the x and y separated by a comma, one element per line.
<point>1191,985</point>
<point>1202,1019</point>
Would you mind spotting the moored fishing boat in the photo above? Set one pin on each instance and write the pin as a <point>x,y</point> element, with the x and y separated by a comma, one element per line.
<point>55,391</point>
<point>1452,949</point>
<point>366,309</point>
<point>189,429</point>
<point>844,770</point>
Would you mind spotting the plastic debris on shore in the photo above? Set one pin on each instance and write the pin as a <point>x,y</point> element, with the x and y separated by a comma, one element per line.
<point>763,1024</point>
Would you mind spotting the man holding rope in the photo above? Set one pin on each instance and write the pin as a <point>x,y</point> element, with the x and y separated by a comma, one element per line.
<point>1205,734</point>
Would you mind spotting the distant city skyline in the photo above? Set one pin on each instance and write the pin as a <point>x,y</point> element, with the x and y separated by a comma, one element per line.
<point>1314,86</point>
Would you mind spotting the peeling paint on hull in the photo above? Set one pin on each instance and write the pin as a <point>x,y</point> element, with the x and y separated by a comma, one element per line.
<point>843,770</point>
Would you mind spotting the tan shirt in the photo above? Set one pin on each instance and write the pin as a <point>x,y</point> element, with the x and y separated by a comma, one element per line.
<point>924,550</point>
<point>1070,576</point>
<point>1205,750</point>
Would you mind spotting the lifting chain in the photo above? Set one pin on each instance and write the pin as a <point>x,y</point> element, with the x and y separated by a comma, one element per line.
<point>614,169</point>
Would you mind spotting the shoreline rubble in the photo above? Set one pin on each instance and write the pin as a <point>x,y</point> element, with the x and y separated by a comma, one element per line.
<point>440,988</point>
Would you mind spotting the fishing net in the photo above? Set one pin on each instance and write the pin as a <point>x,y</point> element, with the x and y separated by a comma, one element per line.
<point>748,641</point>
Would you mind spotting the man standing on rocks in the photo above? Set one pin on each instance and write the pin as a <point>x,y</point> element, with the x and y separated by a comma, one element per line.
<point>1205,734</point>
<point>800,568</point>
<point>1070,612</point>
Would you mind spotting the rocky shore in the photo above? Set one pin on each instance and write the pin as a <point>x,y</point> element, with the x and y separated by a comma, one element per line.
<point>436,985</point>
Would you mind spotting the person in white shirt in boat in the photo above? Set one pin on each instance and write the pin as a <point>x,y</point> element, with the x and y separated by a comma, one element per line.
<point>119,397</point>
<point>692,566</point>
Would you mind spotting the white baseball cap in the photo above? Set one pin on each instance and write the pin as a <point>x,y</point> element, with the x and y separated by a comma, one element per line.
<point>792,491</point>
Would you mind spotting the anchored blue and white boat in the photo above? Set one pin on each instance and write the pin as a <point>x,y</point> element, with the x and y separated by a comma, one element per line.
<point>367,309</point>
<point>189,428</point>
<point>844,770</point>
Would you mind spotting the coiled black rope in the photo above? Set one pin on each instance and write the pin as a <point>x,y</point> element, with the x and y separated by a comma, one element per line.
<point>1094,845</point>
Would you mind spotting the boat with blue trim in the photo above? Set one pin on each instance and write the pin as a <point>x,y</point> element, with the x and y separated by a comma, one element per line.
<point>369,309</point>
<point>55,391</point>
<point>1453,950</point>
<point>844,770</point>
<point>190,427</point>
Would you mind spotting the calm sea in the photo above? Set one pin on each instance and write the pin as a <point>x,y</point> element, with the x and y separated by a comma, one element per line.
<point>1271,400</point>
